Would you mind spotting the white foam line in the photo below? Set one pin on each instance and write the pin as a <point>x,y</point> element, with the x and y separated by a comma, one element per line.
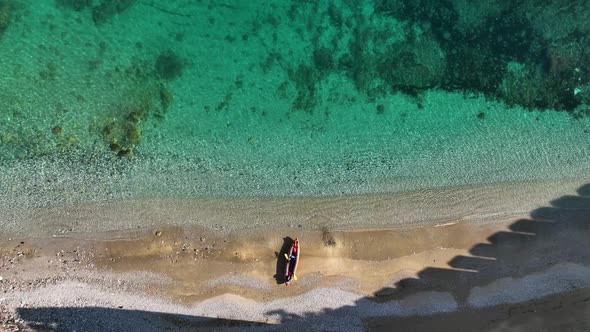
<point>446,224</point>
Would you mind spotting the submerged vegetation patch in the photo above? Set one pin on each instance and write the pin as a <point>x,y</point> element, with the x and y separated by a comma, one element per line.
<point>314,54</point>
<point>98,102</point>
<point>146,100</point>
<point>5,14</point>
<point>106,9</point>
<point>495,48</point>
<point>122,130</point>
<point>77,5</point>
<point>169,65</point>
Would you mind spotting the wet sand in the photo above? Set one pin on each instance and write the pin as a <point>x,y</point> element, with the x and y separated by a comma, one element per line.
<point>473,204</point>
<point>197,259</point>
<point>511,271</point>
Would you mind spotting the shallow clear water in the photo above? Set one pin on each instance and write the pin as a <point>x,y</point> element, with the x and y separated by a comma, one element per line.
<point>282,98</point>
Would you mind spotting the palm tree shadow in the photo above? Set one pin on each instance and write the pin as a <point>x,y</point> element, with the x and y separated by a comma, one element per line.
<point>279,275</point>
<point>554,234</point>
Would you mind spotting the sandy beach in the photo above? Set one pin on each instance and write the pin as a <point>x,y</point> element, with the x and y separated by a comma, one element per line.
<point>158,158</point>
<point>513,271</point>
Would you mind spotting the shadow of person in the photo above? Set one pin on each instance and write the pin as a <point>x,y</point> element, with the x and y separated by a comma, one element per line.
<point>553,234</point>
<point>280,275</point>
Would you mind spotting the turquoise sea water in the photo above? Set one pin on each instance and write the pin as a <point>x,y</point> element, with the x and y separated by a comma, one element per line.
<point>124,99</point>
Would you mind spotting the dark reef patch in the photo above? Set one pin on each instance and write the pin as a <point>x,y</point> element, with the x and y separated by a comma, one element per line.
<point>122,131</point>
<point>5,14</point>
<point>440,15</point>
<point>413,66</point>
<point>478,61</point>
<point>109,8</point>
<point>323,59</point>
<point>494,48</point>
<point>168,65</point>
<point>304,78</point>
<point>77,5</point>
<point>380,109</point>
<point>143,105</point>
<point>501,55</point>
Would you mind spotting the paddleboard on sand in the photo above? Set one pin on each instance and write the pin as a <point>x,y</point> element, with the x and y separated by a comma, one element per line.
<point>292,257</point>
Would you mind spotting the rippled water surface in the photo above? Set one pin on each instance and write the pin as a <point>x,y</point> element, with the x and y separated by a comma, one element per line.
<point>110,99</point>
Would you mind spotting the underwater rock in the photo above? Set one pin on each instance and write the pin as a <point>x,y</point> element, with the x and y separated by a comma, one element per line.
<point>521,85</point>
<point>108,8</point>
<point>557,20</point>
<point>169,66</point>
<point>122,133</point>
<point>5,10</point>
<point>478,60</point>
<point>304,78</point>
<point>57,130</point>
<point>413,65</point>
<point>323,59</point>
<point>380,109</point>
<point>77,5</point>
<point>501,49</point>
<point>582,94</point>
<point>559,84</point>
<point>472,13</point>
<point>166,98</point>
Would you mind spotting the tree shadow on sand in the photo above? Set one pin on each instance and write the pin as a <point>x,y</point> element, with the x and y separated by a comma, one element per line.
<point>556,234</point>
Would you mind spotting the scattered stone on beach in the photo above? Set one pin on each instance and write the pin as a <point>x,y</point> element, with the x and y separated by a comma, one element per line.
<point>328,238</point>
<point>158,232</point>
